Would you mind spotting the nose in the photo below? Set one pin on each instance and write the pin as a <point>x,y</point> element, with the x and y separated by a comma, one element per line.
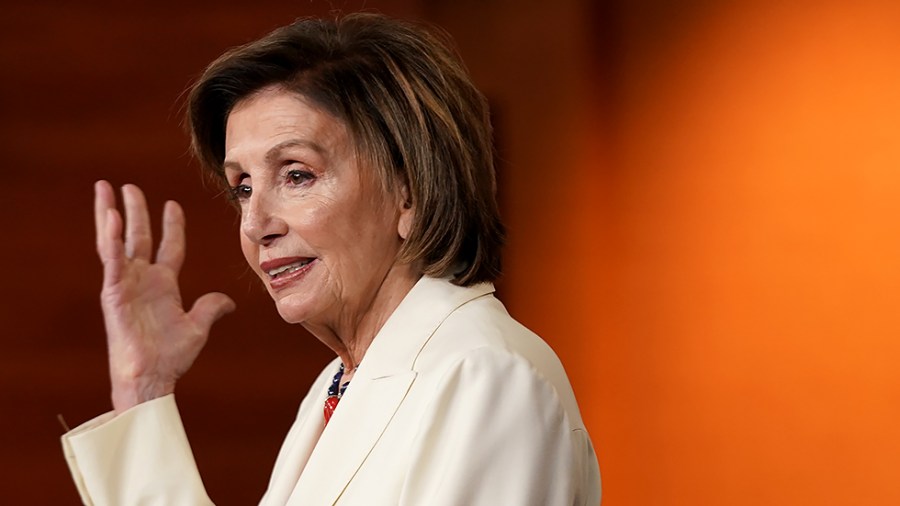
<point>261,221</point>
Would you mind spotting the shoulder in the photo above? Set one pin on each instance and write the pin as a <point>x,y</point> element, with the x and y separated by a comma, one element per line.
<point>480,346</point>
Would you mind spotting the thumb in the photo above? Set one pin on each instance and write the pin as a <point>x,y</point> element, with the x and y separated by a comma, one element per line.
<point>209,308</point>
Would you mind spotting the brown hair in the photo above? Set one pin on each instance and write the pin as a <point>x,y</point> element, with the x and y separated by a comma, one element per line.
<point>412,109</point>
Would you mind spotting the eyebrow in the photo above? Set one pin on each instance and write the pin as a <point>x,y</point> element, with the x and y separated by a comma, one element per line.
<point>275,150</point>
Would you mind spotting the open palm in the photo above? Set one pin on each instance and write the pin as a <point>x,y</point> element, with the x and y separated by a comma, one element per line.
<point>152,340</point>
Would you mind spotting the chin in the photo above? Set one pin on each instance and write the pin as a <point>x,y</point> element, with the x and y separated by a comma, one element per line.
<point>290,313</point>
<point>294,308</point>
<point>289,316</point>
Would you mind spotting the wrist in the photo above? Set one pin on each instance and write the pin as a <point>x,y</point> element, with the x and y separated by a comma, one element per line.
<point>129,395</point>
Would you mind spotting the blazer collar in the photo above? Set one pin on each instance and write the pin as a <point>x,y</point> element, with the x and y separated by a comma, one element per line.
<point>401,339</point>
<point>379,386</point>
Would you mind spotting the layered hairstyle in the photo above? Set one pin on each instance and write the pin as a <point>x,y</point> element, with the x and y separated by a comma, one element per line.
<point>412,110</point>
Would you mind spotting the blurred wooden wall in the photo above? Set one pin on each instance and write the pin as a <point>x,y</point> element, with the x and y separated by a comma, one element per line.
<point>703,201</point>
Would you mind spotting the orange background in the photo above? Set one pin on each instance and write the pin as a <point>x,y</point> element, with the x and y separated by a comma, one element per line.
<point>703,201</point>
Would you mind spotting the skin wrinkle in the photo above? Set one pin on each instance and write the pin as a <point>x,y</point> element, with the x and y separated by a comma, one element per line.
<point>274,152</point>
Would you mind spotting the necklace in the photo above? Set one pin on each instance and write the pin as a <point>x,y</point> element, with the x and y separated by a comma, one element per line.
<point>335,392</point>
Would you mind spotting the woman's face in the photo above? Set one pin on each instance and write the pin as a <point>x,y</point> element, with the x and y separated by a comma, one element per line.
<point>316,226</point>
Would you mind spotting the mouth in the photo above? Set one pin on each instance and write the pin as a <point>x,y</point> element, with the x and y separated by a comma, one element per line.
<point>284,272</point>
<point>288,269</point>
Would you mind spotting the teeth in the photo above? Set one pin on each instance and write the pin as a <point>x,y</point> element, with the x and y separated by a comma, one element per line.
<point>288,268</point>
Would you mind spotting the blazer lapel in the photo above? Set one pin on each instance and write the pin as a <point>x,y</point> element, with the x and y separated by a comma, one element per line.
<point>360,419</point>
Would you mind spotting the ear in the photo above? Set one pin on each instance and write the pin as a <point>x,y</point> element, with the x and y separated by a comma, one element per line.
<point>407,213</point>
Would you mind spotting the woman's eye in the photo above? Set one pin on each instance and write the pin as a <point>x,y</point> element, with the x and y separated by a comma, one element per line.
<point>297,176</point>
<point>241,192</point>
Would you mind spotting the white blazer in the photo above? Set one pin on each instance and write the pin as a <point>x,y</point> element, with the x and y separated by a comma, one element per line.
<point>454,403</point>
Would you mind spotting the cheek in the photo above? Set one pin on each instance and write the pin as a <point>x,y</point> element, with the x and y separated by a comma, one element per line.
<point>251,253</point>
<point>318,225</point>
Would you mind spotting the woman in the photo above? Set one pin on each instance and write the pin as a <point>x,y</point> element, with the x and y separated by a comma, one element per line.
<point>359,156</point>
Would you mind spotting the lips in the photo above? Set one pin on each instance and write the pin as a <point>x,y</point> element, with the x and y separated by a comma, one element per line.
<point>282,271</point>
<point>289,268</point>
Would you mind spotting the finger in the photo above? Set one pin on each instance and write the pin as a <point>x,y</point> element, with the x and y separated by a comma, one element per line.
<point>104,199</point>
<point>138,238</point>
<point>113,252</point>
<point>210,308</point>
<point>172,245</point>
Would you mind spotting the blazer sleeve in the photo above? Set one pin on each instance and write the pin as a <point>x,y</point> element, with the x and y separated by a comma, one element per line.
<point>497,433</point>
<point>141,456</point>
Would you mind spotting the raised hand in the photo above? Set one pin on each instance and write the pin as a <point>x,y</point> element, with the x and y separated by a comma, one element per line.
<point>152,340</point>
